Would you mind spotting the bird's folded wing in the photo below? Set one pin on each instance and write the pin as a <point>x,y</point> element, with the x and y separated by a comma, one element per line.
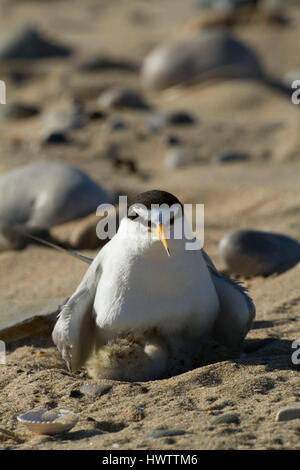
<point>74,332</point>
<point>237,309</point>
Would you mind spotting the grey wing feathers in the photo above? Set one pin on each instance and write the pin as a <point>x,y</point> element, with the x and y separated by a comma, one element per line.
<point>237,309</point>
<point>75,331</point>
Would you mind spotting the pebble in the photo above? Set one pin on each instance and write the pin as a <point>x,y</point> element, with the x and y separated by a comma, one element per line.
<point>230,157</point>
<point>172,140</point>
<point>96,115</point>
<point>160,120</point>
<point>291,76</point>
<point>84,234</point>
<point>56,137</point>
<point>28,43</point>
<point>58,192</point>
<point>118,125</point>
<point>224,5</point>
<point>20,320</point>
<point>64,120</point>
<point>258,253</point>
<point>288,413</point>
<point>105,63</point>
<point>175,158</point>
<point>227,418</point>
<point>120,97</point>
<point>95,390</point>
<point>210,54</point>
<point>165,433</point>
<point>14,110</point>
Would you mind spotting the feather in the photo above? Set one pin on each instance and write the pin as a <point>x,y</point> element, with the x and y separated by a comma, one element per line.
<point>75,332</point>
<point>237,309</point>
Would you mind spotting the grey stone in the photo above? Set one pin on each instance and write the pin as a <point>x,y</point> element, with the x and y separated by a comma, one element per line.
<point>118,125</point>
<point>210,54</point>
<point>28,43</point>
<point>175,158</point>
<point>45,194</point>
<point>120,97</point>
<point>56,137</point>
<point>14,110</point>
<point>257,253</point>
<point>160,120</point>
<point>103,63</point>
<point>224,5</point>
<point>62,121</point>
<point>288,413</point>
<point>172,140</point>
<point>27,318</point>
<point>165,433</point>
<point>230,157</point>
<point>95,390</point>
<point>227,418</point>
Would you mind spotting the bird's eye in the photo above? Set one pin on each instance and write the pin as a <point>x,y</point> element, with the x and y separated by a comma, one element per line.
<point>132,216</point>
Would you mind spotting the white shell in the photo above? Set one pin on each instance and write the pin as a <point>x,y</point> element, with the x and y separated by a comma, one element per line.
<point>42,421</point>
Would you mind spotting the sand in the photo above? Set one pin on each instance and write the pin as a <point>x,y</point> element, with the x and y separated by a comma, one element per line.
<point>227,404</point>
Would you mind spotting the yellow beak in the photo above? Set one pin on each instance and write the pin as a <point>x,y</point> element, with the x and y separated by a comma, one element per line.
<point>162,236</point>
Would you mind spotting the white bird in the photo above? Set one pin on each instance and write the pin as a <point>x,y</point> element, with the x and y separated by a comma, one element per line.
<point>137,312</point>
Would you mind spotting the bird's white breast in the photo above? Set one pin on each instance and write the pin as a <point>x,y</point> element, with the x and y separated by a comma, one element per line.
<point>140,289</point>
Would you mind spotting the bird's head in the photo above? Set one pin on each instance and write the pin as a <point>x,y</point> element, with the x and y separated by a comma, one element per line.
<point>153,214</point>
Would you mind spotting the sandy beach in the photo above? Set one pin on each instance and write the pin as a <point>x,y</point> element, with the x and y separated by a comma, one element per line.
<point>225,403</point>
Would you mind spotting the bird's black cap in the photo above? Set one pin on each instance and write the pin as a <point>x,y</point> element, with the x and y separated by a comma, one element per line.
<point>155,196</point>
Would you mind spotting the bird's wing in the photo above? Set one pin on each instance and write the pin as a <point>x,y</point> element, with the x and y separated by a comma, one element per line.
<point>237,309</point>
<point>74,332</point>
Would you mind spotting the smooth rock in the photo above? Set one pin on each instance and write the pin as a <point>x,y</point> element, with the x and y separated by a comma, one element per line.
<point>14,110</point>
<point>64,120</point>
<point>175,158</point>
<point>103,63</point>
<point>291,76</point>
<point>56,137</point>
<point>22,319</point>
<point>84,235</point>
<point>28,43</point>
<point>224,5</point>
<point>160,120</point>
<point>230,157</point>
<point>209,54</point>
<point>227,418</point>
<point>257,253</point>
<point>120,97</point>
<point>165,433</point>
<point>45,194</point>
<point>95,390</point>
<point>118,125</point>
<point>172,140</point>
<point>288,413</point>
